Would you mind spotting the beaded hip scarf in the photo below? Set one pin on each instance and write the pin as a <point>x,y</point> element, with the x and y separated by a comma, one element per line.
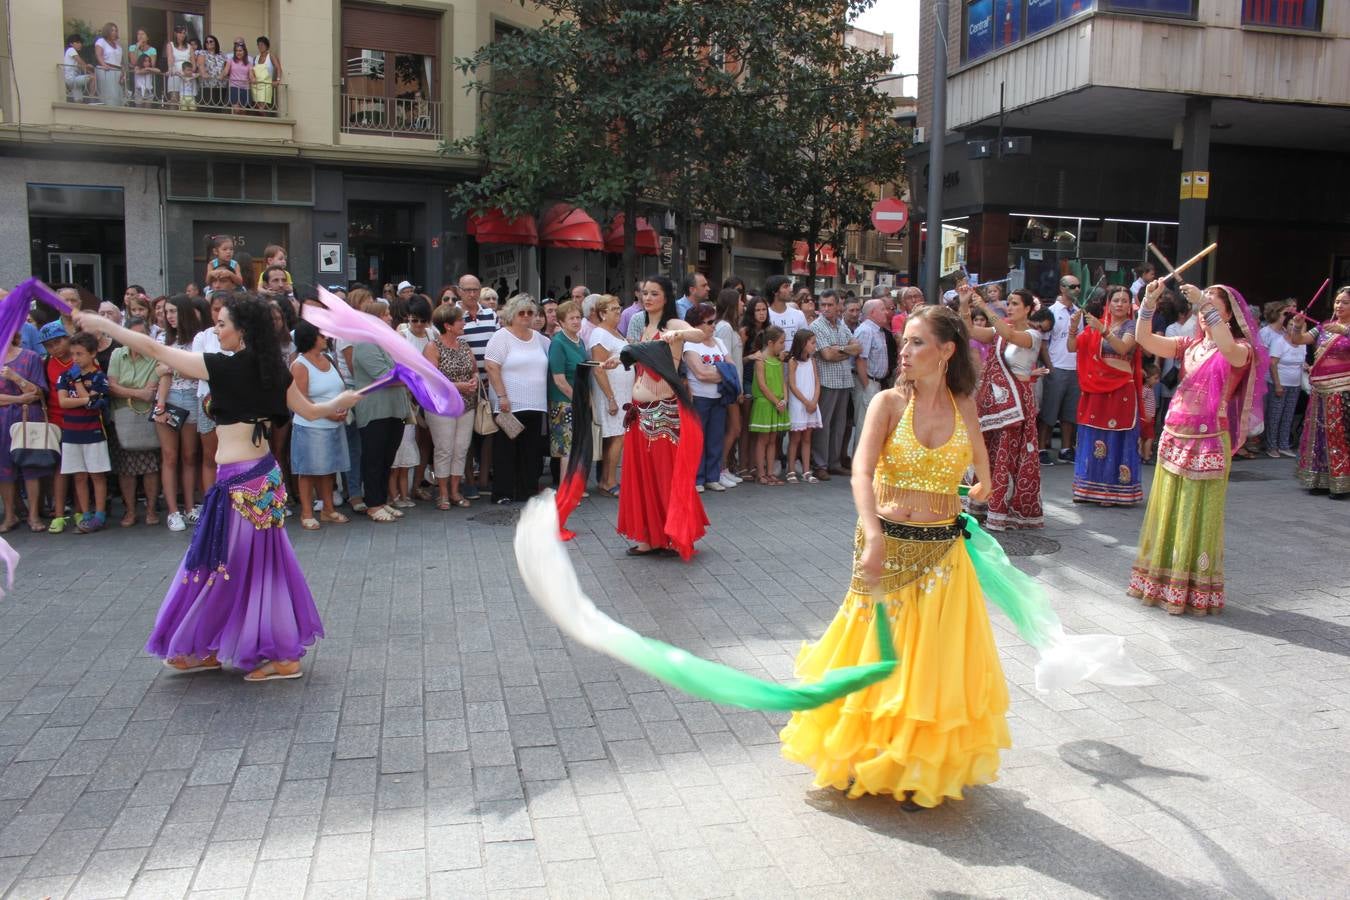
<point>913,553</point>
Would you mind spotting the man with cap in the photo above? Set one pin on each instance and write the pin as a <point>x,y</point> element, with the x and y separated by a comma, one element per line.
<point>405,290</point>
<point>56,342</point>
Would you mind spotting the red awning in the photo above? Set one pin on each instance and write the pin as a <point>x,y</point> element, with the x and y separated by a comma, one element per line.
<point>567,226</point>
<point>493,227</point>
<point>648,244</point>
<point>827,263</point>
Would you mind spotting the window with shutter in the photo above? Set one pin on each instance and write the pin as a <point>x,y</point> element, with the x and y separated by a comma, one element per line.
<point>389,65</point>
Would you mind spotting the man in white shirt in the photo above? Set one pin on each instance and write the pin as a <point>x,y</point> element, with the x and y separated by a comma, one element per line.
<point>1059,401</point>
<point>778,289</point>
<point>871,365</point>
<point>480,324</point>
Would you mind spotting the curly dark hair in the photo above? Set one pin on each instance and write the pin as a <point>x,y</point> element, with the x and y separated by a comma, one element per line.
<point>948,328</point>
<point>253,318</point>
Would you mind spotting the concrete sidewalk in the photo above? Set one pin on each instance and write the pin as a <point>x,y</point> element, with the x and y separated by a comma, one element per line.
<point>447,742</point>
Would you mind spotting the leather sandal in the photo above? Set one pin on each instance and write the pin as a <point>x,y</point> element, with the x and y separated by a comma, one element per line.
<point>192,663</point>
<point>310,524</point>
<point>334,518</point>
<point>275,671</point>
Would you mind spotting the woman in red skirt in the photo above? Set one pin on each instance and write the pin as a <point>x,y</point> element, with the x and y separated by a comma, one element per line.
<point>658,506</point>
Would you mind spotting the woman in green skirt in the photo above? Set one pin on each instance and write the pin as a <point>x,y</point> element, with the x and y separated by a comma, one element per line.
<point>1218,402</point>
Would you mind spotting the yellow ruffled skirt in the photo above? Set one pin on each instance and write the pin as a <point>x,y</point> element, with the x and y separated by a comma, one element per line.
<point>938,723</point>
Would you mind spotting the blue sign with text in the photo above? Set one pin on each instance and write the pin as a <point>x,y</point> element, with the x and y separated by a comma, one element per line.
<point>979,28</point>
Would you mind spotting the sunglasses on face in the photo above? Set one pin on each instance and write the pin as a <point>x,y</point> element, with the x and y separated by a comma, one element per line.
<point>1072,287</point>
<point>412,320</point>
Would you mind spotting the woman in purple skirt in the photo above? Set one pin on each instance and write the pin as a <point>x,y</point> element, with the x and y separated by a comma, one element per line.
<point>239,598</point>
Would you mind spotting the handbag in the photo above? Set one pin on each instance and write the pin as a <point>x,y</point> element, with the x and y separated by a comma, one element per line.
<point>175,414</point>
<point>35,445</point>
<point>510,425</point>
<point>134,430</point>
<point>483,423</point>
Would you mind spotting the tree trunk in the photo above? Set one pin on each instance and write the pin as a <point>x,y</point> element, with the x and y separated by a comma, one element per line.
<point>629,275</point>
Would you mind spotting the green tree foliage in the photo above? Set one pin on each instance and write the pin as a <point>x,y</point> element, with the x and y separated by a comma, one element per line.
<point>716,108</point>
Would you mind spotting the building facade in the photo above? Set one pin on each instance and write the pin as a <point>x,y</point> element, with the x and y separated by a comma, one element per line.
<point>331,149</point>
<point>1176,122</point>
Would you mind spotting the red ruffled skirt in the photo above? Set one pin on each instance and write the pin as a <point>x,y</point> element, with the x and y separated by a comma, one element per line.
<point>657,501</point>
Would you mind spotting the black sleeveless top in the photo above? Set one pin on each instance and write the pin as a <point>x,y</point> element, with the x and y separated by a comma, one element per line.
<point>238,394</point>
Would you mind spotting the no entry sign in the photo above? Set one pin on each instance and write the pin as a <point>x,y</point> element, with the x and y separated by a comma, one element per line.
<point>889,216</point>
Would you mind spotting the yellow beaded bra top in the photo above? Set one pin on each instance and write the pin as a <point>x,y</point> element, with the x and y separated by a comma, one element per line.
<point>921,478</point>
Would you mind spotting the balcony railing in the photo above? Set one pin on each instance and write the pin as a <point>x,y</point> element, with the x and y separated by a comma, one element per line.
<point>391,116</point>
<point>152,89</point>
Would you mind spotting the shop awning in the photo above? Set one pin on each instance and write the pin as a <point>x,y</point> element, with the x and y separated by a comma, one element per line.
<point>827,261</point>
<point>648,244</point>
<point>493,227</point>
<point>567,226</point>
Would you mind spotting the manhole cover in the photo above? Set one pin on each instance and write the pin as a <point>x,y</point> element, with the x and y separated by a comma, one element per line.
<point>1250,475</point>
<point>1021,543</point>
<point>508,516</point>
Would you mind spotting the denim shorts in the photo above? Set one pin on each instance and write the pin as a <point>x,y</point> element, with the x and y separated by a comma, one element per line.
<point>318,451</point>
<point>187,398</point>
<point>239,96</point>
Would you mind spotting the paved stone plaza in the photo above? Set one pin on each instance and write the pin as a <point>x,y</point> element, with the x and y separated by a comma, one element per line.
<point>446,741</point>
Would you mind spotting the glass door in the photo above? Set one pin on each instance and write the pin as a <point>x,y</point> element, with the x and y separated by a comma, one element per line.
<point>80,269</point>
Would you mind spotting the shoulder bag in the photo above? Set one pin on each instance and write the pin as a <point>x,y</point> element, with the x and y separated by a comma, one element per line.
<point>483,422</point>
<point>134,429</point>
<point>35,445</point>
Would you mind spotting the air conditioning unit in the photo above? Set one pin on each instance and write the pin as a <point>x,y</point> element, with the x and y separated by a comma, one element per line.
<point>920,135</point>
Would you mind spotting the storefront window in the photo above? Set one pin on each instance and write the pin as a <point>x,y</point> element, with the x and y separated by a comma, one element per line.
<point>994,24</point>
<point>1183,8</point>
<point>1305,14</point>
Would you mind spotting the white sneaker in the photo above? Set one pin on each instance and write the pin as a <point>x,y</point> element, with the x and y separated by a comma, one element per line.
<point>699,488</point>
<point>728,480</point>
<point>728,474</point>
<point>194,515</point>
<point>715,486</point>
<point>176,522</point>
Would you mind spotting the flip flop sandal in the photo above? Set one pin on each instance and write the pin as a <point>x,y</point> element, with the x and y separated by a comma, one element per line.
<point>181,664</point>
<point>460,502</point>
<point>270,671</point>
<point>6,529</point>
<point>443,503</point>
<point>37,527</point>
<point>310,524</point>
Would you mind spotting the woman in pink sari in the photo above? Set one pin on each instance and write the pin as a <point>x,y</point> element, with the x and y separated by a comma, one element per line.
<point>1324,452</point>
<point>1218,402</point>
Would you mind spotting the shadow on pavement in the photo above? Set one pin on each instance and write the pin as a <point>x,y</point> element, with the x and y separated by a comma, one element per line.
<point>1293,627</point>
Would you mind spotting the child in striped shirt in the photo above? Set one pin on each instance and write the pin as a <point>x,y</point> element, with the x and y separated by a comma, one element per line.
<point>83,394</point>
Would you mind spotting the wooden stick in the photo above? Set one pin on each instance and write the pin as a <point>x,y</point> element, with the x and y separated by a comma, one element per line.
<point>1162,259</point>
<point>1302,313</point>
<point>1195,259</point>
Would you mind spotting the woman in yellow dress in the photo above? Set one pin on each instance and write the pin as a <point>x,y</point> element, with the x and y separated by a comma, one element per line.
<point>938,723</point>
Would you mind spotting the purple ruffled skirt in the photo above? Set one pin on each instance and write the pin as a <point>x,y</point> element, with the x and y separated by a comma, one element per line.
<point>263,610</point>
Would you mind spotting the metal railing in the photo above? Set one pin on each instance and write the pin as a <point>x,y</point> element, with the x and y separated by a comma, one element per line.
<point>398,117</point>
<point>153,89</point>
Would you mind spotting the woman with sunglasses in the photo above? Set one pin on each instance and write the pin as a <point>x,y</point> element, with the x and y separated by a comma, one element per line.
<point>211,65</point>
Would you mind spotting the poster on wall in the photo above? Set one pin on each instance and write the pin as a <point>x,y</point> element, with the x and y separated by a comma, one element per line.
<point>979,28</point>
<point>1007,22</point>
<point>497,266</point>
<point>1040,14</point>
<point>330,259</point>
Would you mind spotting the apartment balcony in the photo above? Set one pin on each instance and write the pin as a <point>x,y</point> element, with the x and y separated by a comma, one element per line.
<point>149,107</point>
<point>391,117</point>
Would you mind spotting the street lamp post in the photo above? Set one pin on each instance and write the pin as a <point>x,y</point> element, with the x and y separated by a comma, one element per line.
<point>936,144</point>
